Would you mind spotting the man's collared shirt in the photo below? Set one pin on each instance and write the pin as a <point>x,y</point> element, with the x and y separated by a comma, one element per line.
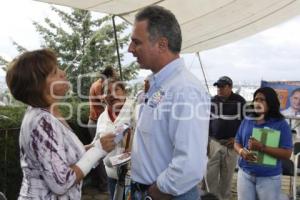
<point>294,123</point>
<point>170,141</point>
<point>290,112</point>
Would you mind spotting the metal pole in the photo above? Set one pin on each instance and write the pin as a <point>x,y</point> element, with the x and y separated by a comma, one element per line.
<point>5,162</point>
<point>199,58</point>
<point>117,47</point>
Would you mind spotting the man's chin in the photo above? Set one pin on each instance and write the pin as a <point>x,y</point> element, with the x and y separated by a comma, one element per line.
<point>141,66</point>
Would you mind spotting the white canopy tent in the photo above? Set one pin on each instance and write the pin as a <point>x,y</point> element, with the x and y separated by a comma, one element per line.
<point>205,23</point>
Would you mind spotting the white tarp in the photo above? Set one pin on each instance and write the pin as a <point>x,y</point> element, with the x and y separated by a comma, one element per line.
<point>205,24</point>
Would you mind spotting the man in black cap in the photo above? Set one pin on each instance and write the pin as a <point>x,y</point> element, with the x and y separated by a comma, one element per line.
<point>226,116</point>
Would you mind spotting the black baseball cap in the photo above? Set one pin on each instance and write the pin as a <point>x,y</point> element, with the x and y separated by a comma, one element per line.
<point>224,80</point>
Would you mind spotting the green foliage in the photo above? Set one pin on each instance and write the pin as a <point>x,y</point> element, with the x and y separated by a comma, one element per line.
<point>130,71</point>
<point>10,170</point>
<point>19,47</point>
<point>4,62</point>
<point>77,116</point>
<point>11,116</point>
<point>84,45</point>
<point>76,113</point>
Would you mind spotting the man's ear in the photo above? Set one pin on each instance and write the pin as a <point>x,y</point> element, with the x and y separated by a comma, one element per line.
<point>163,44</point>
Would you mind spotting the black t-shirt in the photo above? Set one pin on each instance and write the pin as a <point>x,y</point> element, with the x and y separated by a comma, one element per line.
<point>226,116</point>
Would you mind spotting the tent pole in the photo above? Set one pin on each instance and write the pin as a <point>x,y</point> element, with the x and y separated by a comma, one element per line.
<point>117,47</point>
<point>199,58</point>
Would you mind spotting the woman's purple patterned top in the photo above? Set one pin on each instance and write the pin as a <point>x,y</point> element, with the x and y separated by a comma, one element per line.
<point>47,149</point>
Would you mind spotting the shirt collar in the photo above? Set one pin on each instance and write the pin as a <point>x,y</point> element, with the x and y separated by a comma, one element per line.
<point>166,71</point>
<point>293,112</point>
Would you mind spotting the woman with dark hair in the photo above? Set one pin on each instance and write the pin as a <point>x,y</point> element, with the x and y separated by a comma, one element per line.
<point>258,181</point>
<point>53,159</point>
<point>119,111</point>
<point>97,106</point>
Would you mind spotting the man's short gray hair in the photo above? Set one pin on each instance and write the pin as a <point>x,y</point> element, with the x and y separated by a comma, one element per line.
<point>162,23</point>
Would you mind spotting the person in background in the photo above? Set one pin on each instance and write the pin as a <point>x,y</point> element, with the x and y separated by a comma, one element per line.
<point>141,95</point>
<point>119,111</point>
<point>168,157</point>
<point>53,159</point>
<point>141,98</point>
<point>226,116</point>
<point>292,113</point>
<point>97,106</point>
<point>96,99</point>
<point>294,108</point>
<point>258,181</point>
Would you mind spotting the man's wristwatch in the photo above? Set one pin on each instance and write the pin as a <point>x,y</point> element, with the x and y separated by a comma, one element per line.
<point>148,198</point>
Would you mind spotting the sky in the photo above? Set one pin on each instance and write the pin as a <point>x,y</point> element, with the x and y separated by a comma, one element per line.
<point>272,55</point>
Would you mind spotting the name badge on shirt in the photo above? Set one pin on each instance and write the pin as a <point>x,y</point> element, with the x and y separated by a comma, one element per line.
<point>156,98</point>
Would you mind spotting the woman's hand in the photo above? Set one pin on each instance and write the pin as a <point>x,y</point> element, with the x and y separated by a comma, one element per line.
<point>255,145</point>
<point>245,153</point>
<point>107,142</point>
<point>277,152</point>
<point>248,156</point>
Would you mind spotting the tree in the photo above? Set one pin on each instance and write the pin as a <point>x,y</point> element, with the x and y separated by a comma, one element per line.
<point>84,45</point>
<point>5,62</point>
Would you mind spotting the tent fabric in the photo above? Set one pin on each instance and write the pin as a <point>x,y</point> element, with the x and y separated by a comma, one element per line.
<point>205,24</point>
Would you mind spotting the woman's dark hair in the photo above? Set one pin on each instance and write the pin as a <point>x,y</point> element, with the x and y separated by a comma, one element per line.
<point>272,101</point>
<point>109,72</point>
<point>26,76</point>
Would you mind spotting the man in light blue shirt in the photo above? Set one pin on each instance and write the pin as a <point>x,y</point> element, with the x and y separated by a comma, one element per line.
<point>170,143</point>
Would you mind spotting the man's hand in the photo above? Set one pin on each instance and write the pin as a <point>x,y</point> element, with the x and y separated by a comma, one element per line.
<point>230,143</point>
<point>107,142</point>
<point>156,194</point>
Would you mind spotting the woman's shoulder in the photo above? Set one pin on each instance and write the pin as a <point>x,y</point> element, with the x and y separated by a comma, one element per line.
<point>248,120</point>
<point>283,123</point>
<point>39,119</point>
<point>280,121</point>
<point>280,125</point>
<point>35,123</point>
<point>34,115</point>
